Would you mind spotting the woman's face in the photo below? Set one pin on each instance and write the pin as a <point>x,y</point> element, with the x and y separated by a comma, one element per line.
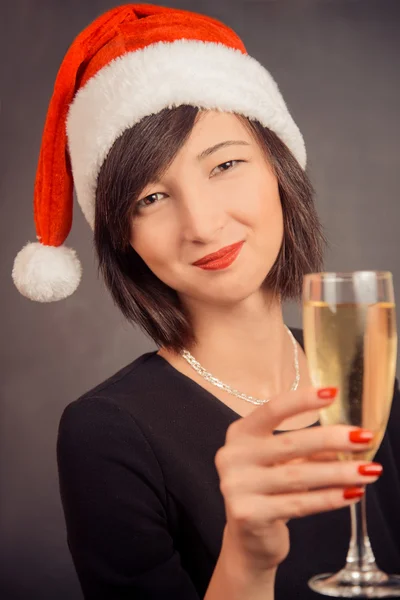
<point>218,191</point>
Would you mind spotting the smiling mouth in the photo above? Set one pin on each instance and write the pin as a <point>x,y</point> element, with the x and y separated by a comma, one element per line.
<point>220,259</point>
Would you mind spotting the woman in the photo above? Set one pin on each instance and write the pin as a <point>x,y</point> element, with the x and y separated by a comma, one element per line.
<point>190,170</point>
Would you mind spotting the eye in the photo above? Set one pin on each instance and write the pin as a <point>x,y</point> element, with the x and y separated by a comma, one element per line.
<point>148,200</point>
<point>226,166</point>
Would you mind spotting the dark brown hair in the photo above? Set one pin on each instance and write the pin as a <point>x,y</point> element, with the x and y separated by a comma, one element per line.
<point>143,153</point>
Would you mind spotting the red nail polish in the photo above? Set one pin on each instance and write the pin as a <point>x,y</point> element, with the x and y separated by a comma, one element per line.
<point>327,393</point>
<point>372,469</point>
<point>352,493</point>
<point>360,436</point>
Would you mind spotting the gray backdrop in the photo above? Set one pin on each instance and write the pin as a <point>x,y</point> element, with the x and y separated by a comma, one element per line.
<point>337,63</point>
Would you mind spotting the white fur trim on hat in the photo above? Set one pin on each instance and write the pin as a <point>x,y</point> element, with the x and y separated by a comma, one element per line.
<point>137,84</point>
<point>46,273</point>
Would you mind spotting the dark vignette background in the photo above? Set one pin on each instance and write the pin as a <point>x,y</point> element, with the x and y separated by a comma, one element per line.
<point>337,63</point>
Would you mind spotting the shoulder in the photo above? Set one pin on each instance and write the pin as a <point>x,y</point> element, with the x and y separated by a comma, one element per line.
<point>100,440</point>
<point>105,413</point>
<point>133,373</point>
<point>132,404</point>
<point>96,428</point>
<point>113,394</point>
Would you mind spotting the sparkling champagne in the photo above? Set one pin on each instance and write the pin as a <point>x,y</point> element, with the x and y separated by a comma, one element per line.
<point>353,346</point>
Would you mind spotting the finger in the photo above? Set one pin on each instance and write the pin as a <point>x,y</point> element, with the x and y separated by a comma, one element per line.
<point>305,443</point>
<point>291,478</point>
<point>252,511</point>
<point>291,445</point>
<point>265,419</point>
<point>317,457</point>
<point>322,457</point>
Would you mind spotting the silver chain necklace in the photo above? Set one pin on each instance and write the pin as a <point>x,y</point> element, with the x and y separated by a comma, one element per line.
<point>227,388</point>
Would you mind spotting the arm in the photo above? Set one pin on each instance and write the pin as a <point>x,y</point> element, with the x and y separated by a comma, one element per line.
<point>393,427</point>
<point>231,579</point>
<point>388,488</point>
<point>113,497</point>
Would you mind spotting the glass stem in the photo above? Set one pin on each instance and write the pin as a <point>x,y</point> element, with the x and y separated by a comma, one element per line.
<point>360,557</point>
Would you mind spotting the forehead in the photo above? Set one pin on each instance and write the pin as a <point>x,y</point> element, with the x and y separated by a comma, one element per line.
<point>213,127</point>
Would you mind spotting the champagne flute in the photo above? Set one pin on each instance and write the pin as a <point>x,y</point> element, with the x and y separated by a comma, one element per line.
<point>351,343</point>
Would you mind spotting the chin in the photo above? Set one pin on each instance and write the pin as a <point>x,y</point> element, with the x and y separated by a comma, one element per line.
<point>227,292</point>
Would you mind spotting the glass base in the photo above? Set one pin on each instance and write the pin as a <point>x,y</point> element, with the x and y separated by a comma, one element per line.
<point>353,584</point>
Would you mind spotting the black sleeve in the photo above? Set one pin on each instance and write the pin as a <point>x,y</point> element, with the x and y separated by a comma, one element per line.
<point>393,428</point>
<point>113,497</point>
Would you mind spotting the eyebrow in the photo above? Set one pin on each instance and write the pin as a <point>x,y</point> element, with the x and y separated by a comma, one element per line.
<point>213,149</point>
<point>209,151</point>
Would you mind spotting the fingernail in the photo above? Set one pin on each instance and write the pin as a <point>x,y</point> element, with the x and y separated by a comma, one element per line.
<point>355,492</point>
<point>370,469</point>
<point>327,394</point>
<point>360,436</point>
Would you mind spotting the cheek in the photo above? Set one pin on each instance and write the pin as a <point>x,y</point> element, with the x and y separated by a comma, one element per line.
<point>260,206</point>
<point>146,242</point>
<point>154,242</point>
<point>272,218</point>
<point>271,229</point>
<point>265,211</point>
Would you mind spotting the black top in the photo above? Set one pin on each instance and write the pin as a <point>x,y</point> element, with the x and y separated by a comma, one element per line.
<point>141,496</point>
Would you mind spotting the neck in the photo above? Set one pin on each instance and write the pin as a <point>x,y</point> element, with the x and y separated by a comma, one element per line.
<point>246,345</point>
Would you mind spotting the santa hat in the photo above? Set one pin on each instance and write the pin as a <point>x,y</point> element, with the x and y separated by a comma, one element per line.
<point>131,62</point>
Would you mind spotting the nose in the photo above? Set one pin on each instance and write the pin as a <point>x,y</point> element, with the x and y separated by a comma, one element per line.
<point>201,216</point>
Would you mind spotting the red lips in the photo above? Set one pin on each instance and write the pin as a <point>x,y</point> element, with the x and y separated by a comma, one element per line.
<point>228,252</point>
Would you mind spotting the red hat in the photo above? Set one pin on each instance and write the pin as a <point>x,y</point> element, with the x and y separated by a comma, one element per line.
<point>133,61</point>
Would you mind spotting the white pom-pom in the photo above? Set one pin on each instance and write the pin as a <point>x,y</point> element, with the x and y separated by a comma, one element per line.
<point>46,273</point>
